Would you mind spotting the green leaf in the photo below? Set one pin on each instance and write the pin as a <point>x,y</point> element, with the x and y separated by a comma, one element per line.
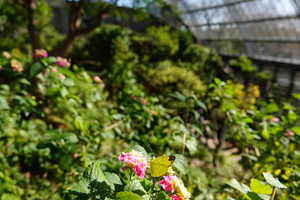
<point>253,196</point>
<point>35,69</point>
<point>113,178</point>
<point>24,81</point>
<point>178,96</point>
<point>292,116</point>
<point>146,184</point>
<point>257,187</point>
<point>217,81</point>
<point>238,186</point>
<point>248,120</point>
<point>136,187</point>
<point>5,87</point>
<point>93,183</point>
<point>197,114</point>
<point>139,149</point>
<point>64,92</point>
<point>162,196</point>
<point>265,134</point>
<point>201,105</point>
<point>273,181</point>
<point>51,59</point>
<point>4,105</point>
<point>197,128</point>
<point>192,144</point>
<point>296,130</point>
<point>65,161</point>
<point>272,108</point>
<point>178,118</point>
<point>70,137</point>
<point>297,96</point>
<point>128,196</point>
<point>68,73</point>
<point>180,163</point>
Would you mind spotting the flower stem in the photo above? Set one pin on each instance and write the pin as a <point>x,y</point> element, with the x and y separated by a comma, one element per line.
<point>273,193</point>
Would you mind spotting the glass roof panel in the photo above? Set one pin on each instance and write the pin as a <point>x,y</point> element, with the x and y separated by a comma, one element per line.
<point>267,28</point>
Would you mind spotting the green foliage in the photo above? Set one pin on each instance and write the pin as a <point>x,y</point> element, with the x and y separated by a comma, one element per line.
<point>96,184</point>
<point>167,78</point>
<point>258,190</point>
<point>243,64</point>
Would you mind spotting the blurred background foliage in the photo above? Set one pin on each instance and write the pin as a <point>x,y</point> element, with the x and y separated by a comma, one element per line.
<point>156,89</point>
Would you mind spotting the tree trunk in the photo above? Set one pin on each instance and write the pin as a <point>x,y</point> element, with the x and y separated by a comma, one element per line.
<point>32,26</point>
<point>64,48</point>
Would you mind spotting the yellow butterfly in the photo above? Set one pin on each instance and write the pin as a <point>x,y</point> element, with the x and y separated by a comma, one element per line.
<point>159,166</point>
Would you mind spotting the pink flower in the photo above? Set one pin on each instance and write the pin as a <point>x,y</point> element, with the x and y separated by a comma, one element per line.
<point>153,112</point>
<point>289,133</point>
<point>17,66</point>
<point>133,97</point>
<point>75,155</point>
<point>62,61</point>
<point>1,68</point>
<point>144,101</point>
<point>135,161</point>
<point>174,188</point>
<point>6,54</point>
<point>96,79</point>
<point>102,85</point>
<point>62,77</point>
<point>28,175</point>
<point>54,70</point>
<point>275,119</point>
<point>40,53</point>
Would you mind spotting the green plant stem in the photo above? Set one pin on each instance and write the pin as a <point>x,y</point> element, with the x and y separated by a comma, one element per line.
<point>273,193</point>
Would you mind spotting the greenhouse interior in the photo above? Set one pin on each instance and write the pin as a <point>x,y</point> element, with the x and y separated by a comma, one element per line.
<point>150,99</point>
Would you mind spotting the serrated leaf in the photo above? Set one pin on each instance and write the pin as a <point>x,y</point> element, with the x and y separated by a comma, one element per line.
<point>180,163</point>
<point>178,96</point>
<point>162,196</point>
<point>128,196</point>
<point>35,69</point>
<point>146,184</point>
<point>136,187</point>
<point>92,183</point>
<point>113,178</point>
<point>258,187</point>
<point>273,181</point>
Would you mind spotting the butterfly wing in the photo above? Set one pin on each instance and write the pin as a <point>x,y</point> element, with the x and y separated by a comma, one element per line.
<point>159,166</point>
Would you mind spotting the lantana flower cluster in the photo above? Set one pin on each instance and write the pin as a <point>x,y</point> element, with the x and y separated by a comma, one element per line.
<point>136,161</point>
<point>174,188</point>
<point>39,53</point>
<point>98,80</point>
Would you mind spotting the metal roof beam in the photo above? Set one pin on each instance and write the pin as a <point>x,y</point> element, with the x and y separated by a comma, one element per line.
<point>275,40</point>
<point>217,6</point>
<point>250,21</point>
